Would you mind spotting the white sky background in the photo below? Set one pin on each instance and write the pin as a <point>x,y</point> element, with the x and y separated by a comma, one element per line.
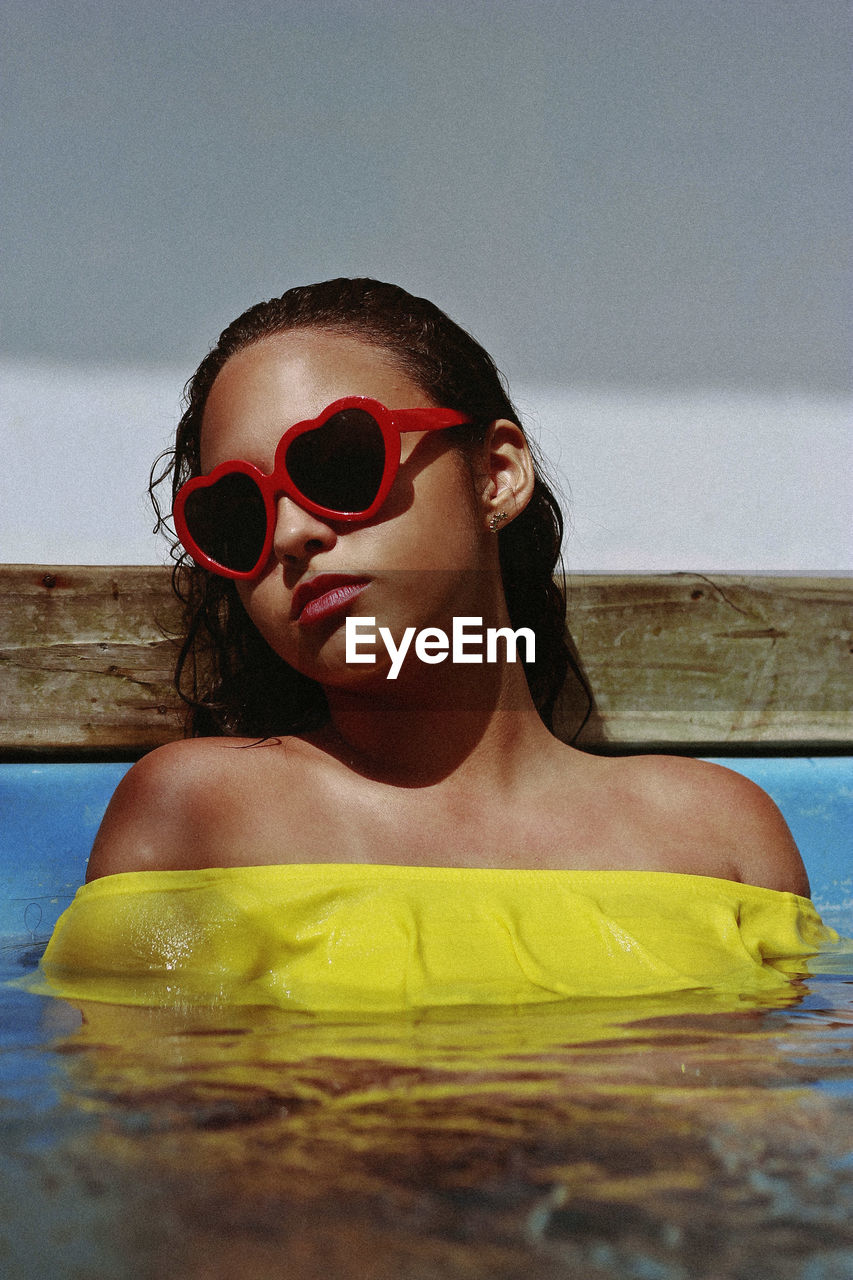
<point>641,209</point>
<point>653,481</point>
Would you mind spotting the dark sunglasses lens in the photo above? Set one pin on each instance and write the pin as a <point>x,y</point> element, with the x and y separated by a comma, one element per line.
<point>340,465</point>
<point>228,520</point>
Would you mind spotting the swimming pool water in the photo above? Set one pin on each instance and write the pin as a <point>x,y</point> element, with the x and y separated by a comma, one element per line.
<point>690,1137</point>
<point>673,1138</point>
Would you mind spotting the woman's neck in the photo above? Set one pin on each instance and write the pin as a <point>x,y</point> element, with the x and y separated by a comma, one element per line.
<point>448,721</point>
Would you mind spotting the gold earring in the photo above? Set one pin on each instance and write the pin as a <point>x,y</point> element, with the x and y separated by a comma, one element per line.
<point>497,520</point>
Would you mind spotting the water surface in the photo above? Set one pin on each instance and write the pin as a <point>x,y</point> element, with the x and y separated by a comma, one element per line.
<point>671,1138</point>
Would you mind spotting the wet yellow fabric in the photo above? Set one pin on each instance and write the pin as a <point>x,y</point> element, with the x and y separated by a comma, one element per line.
<point>364,938</point>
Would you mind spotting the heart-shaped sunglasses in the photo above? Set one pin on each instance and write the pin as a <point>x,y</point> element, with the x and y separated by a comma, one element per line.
<point>339,466</point>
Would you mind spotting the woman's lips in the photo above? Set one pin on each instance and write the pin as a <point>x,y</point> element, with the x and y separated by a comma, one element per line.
<point>324,596</point>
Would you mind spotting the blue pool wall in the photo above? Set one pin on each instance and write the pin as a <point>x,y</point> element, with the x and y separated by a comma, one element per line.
<point>49,814</point>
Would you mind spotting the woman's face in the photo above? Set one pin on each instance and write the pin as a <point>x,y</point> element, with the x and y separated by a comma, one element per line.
<point>425,557</point>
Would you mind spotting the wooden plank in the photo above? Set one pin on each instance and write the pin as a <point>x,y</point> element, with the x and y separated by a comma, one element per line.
<point>676,661</point>
<point>84,664</point>
<point>720,661</point>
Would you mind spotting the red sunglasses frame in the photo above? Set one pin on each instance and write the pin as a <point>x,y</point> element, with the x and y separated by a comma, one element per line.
<point>392,424</point>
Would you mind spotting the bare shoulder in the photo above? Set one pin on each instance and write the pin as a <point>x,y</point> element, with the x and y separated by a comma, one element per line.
<point>172,807</point>
<point>153,809</point>
<point>728,823</point>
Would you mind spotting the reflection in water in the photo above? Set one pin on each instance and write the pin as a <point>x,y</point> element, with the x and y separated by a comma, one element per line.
<point>667,1139</point>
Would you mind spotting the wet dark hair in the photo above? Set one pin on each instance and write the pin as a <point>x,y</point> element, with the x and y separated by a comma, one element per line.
<point>231,680</point>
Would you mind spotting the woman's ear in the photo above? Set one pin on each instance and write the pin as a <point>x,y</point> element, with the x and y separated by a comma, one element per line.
<point>506,477</point>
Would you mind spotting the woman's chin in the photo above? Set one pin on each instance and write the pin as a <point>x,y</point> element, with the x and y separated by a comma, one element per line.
<point>326,661</point>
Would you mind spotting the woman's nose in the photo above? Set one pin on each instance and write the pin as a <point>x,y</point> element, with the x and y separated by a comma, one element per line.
<point>298,533</point>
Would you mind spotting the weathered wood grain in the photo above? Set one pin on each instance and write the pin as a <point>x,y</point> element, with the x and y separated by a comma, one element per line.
<point>84,663</point>
<point>675,661</point>
<point>693,661</point>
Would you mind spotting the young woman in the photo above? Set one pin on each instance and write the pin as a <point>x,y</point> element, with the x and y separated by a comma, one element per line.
<point>307,547</point>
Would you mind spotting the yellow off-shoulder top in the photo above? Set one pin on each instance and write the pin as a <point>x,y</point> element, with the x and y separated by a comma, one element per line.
<point>367,938</point>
